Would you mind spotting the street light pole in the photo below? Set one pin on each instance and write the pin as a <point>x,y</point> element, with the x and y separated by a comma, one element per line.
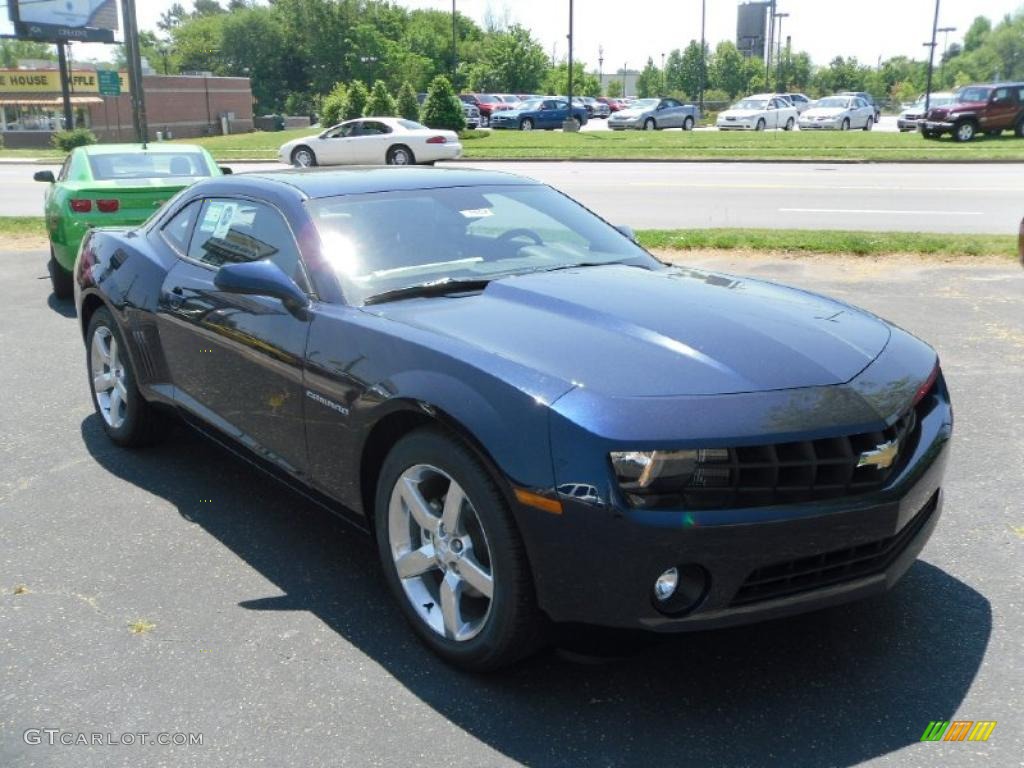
<point>931,60</point>
<point>945,49</point>
<point>600,67</point>
<point>570,123</point>
<point>455,50</point>
<point>703,56</point>
<point>778,75</point>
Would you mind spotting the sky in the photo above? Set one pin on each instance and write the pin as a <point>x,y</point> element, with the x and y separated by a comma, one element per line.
<point>631,31</point>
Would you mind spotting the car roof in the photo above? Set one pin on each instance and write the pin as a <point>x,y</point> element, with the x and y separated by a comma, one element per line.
<point>316,182</point>
<point>153,148</point>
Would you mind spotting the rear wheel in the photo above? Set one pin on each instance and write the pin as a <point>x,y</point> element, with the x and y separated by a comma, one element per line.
<point>649,124</point>
<point>61,280</point>
<point>965,131</point>
<point>400,155</point>
<point>303,157</point>
<point>452,555</point>
<point>526,124</point>
<point>688,124</point>
<point>127,418</point>
<point>868,124</point>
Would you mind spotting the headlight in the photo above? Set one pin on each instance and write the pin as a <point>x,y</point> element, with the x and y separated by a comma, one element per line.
<point>646,477</point>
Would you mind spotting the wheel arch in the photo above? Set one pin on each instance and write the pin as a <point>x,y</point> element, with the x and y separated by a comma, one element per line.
<point>90,303</point>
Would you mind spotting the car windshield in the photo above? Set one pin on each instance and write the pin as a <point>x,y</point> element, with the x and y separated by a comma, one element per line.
<point>832,102</point>
<point>644,104</point>
<point>389,241</point>
<point>751,104</point>
<point>147,165</point>
<point>485,99</point>
<point>972,94</point>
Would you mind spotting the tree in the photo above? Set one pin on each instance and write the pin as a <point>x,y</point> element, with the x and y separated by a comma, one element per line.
<point>381,103</point>
<point>690,69</point>
<point>674,72</point>
<point>649,83</point>
<point>12,50</point>
<point>332,110</point>
<point>442,108</point>
<point>614,89</point>
<point>583,83</point>
<point>730,71</point>
<point>511,61</point>
<point>206,8</point>
<point>977,34</point>
<point>172,17</point>
<point>408,106</point>
<point>355,103</point>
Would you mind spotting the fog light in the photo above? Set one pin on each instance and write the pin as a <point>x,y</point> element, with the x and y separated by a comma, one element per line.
<point>666,584</point>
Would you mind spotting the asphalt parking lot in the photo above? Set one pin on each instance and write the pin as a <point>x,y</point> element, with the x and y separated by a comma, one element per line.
<point>262,622</point>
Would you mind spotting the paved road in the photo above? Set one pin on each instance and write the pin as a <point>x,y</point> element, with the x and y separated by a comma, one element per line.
<point>273,636</point>
<point>910,198</point>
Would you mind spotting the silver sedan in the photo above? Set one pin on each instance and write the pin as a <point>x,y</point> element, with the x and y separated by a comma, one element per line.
<point>655,114</point>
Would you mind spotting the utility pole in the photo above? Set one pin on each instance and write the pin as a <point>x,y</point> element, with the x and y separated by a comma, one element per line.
<point>703,56</point>
<point>65,80</point>
<point>600,67</point>
<point>931,60</point>
<point>455,49</point>
<point>778,76</point>
<point>945,49</point>
<point>570,123</point>
<point>134,61</point>
<point>770,45</point>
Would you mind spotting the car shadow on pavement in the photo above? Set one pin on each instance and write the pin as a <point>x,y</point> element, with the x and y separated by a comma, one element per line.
<point>63,307</point>
<point>832,688</point>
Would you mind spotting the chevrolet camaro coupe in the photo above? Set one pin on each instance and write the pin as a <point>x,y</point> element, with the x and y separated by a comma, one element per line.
<point>536,420</point>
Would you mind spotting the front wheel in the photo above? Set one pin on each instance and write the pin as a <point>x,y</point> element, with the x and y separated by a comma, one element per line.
<point>688,124</point>
<point>965,131</point>
<point>759,126</point>
<point>400,155</point>
<point>452,555</point>
<point>127,418</point>
<point>526,124</point>
<point>845,126</point>
<point>789,124</point>
<point>61,280</point>
<point>868,124</point>
<point>649,124</point>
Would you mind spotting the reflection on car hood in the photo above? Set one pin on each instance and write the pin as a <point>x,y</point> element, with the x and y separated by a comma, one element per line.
<point>628,113</point>
<point>824,112</point>
<point>629,331</point>
<point>741,113</point>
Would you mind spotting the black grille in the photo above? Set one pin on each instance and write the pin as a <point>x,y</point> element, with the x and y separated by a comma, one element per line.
<point>781,473</point>
<point>788,578</point>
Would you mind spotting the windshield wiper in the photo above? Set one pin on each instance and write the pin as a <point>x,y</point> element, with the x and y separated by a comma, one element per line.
<point>433,288</point>
<point>583,264</point>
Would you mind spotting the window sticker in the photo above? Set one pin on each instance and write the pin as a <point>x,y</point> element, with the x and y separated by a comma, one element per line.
<point>224,222</point>
<point>477,213</point>
<point>210,217</point>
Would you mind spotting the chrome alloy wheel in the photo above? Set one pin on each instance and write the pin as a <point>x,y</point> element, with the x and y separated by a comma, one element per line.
<point>440,552</point>
<point>107,370</point>
<point>302,158</point>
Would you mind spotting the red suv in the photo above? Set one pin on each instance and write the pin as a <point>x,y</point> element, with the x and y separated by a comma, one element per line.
<point>989,109</point>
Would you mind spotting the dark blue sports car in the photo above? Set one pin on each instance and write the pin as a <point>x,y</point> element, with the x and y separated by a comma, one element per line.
<point>536,419</point>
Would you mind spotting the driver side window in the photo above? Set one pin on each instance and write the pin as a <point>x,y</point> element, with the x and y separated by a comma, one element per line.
<point>342,131</point>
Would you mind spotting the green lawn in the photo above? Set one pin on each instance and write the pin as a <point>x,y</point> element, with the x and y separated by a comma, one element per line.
<point>21,226</point>
<point>660,145</point>
<point>831,242</point>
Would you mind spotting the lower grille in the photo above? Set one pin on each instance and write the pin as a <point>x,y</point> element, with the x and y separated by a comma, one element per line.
<point>789,578</point>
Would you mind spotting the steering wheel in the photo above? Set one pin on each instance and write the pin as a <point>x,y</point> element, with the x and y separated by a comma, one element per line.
<point>512,234</point>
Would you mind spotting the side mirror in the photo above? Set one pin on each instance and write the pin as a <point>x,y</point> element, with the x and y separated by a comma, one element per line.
<point>261,278</point>
<point>627,231</point>
<point>46,176</point>
<point>225,170</point>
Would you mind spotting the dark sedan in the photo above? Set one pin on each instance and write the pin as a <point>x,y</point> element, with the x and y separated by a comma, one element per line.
<point>538,421</point>
<point>544,114</point>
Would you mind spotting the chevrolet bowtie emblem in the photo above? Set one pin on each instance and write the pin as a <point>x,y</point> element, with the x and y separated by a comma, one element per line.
<point>881,456</point>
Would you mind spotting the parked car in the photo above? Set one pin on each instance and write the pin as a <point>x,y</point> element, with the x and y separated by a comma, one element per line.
<point>111,185</point>
<point>655,114</point>
<point>485,102</point>
<point>472,115</point>
<point>372,141</point>
<point>868,98</point>
<point>544,114</point>
<point>757,113</point>
<point>910,117</point>
<point>445,353</point>
<point>798,100</point>
<point>597,108</point>
<point>989,109</point>
<point>613,104</point>
<point>838,113</point>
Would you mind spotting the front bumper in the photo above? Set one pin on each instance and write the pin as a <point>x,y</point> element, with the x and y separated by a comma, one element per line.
<point>933,126</point>
<point>596,563</point>
<point>734,126</point>
<point>829,125</point>
<point>908,123</point>
<point>622,125</point>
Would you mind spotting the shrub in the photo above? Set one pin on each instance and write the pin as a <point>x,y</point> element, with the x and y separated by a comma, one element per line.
<point>333,107</point>
<point>68,140</point>
<point>408,105</point>
<point>355,104</point>
<point>380,104</point>
<point>442,109</point>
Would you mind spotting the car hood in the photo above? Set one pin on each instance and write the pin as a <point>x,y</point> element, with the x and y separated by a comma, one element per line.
<point>629,114</point>
<point>628,331</point>
<point>824,112</point>
<point>741,113</point>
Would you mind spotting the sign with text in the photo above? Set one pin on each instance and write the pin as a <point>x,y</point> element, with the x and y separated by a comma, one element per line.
<point>109,82</point>
<point>91,21</point>
<point>48,81</point>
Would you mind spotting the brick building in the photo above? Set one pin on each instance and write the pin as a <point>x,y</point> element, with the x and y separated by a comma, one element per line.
<point>183,106</point>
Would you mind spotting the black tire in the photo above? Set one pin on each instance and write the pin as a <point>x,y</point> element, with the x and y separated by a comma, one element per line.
<point>789,124</point>
<point>760,125</point>
<point>1019,130</point>
<point>845,125</point>
<point>514,625</point>
<point>965,131</point>
<point>301,152</point>
<point>142,423</point>
<point>400,155</point>
<point>650,125</point>
<point>868,124</point>
<point>61,280</point>
<point>526,124</point>
<point>688,124</point>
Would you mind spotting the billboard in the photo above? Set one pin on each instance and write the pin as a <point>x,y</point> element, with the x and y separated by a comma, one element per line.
<point>87,21</point>
<point>48,81</point>
<point>751,27</point>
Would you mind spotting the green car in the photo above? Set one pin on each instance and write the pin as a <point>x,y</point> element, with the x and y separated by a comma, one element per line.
<point>112,185</point>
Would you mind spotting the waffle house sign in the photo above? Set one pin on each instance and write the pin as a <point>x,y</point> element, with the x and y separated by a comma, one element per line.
<point>48,81</point>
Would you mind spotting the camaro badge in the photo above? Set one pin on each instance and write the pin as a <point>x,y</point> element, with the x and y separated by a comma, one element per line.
<point>881,456</point>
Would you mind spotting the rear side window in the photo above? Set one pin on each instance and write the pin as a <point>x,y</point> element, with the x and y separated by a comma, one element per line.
<point>140,165</point>
<point>233,230</point>
<point>178,230</point>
